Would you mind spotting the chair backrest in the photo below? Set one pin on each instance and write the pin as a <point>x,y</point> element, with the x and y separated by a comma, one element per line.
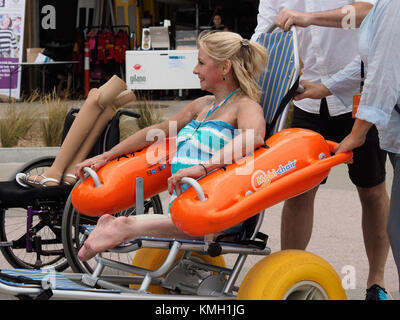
<point>278,84</point>
<point>280,79</point>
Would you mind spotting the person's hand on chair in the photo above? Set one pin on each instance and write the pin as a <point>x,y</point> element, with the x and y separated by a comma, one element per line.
<point>312,90</point>
<point>286,18</point>
<point>94,163</point>
<point>192,172</point>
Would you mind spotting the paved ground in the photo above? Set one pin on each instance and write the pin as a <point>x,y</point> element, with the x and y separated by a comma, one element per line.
<point>337,235</point>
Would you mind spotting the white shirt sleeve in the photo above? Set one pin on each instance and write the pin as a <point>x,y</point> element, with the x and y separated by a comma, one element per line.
<point>369,1</point>
<point>382,83</point>
<point>267,11</point>
<point>345,83</point>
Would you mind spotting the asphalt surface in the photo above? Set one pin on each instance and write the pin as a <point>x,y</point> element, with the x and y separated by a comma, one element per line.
<point>337,235</point>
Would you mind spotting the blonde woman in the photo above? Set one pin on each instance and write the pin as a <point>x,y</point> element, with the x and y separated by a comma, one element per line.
<point>228,67</point>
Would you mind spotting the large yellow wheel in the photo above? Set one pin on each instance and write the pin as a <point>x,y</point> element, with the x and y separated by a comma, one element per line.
<point>292,275</point>
<point>152,259</point>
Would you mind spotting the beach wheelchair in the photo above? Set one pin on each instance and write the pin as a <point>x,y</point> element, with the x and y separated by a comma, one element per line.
<point>30,219</point>
<point>180,269</point>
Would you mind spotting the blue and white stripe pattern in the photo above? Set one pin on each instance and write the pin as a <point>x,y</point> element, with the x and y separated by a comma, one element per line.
<point>197,142</point>
<point>276,80</point>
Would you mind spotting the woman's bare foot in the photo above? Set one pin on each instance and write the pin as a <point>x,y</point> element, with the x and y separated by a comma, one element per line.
<point>108,233</point>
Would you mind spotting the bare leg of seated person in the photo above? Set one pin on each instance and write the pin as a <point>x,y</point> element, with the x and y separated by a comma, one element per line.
<point>110,232</point>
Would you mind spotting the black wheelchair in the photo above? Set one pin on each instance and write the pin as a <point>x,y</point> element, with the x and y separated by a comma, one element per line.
<point>31,218</point>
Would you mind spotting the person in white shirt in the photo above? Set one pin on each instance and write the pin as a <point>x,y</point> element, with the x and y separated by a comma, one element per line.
<point>324,52</point>
<point>380,100</point>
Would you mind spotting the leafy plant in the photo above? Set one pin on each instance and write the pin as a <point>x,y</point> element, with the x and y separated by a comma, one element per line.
<point>53,123</point>
<point>149,112</point>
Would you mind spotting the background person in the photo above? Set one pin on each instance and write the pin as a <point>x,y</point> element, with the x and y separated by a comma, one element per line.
<point>217,23</point>
<point>381,94</point>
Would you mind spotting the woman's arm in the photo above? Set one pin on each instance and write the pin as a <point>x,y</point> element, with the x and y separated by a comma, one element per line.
<point>251,123</point>
<point>145,137</point>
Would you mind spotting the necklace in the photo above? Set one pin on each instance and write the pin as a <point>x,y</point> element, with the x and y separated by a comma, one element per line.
<point>213,109</point>
<point>210,112</point>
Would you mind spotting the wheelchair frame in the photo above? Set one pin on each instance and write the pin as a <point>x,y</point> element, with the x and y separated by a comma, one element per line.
<point>187,277</point>
<point>196,279</point>
<point>184,277</point>
<point>47,213</point>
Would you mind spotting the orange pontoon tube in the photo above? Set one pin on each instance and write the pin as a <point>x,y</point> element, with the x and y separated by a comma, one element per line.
<point>118,180</point>
<point>296,161</point>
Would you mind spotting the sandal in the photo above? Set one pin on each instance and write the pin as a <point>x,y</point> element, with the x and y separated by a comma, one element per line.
<point>23,180</point>
<point>20,178</point>
<point>71,176</point>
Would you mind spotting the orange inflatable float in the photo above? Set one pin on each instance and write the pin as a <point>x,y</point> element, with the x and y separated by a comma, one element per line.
<point>295,161</point>
<point>118,180</point>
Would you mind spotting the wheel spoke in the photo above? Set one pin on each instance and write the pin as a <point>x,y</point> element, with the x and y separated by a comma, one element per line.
<point>14,228</point>
<point>310,294</point>
<point>74,235</point>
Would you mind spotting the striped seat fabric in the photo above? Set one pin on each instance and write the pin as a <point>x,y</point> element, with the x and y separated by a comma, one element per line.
<point>280,79</point>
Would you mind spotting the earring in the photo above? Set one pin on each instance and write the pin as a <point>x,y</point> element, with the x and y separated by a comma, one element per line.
<point>224,78</point>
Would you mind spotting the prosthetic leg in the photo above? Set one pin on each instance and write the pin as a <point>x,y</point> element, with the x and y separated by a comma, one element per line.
<point>98,109</point>
<point>106,116</point>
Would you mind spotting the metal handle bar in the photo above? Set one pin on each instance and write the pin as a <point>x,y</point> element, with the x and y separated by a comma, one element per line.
<point>196,186</point>
<point>93,174</point>
<point>129,113</point>
<point>273,26</point>
<point>121,112</point>
<point>346,155</point>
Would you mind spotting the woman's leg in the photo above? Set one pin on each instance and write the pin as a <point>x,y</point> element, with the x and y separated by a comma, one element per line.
<point>111,231</point>
<point>96,102</point>
<point>102,121</point>
<point>393,227</point>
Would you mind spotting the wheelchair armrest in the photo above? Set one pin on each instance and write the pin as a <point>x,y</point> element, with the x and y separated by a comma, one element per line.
<point>196,186</point>
<point>129,113</point>
<point>90,172</point>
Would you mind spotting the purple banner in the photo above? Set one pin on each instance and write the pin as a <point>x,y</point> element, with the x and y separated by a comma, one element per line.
<point>12,18</point>
<point>6,71</point>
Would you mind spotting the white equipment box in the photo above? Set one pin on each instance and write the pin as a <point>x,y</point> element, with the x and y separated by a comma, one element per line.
<point>161,69</point>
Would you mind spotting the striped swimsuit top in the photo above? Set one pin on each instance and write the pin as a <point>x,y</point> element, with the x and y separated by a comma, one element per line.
<point>198,141</point>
